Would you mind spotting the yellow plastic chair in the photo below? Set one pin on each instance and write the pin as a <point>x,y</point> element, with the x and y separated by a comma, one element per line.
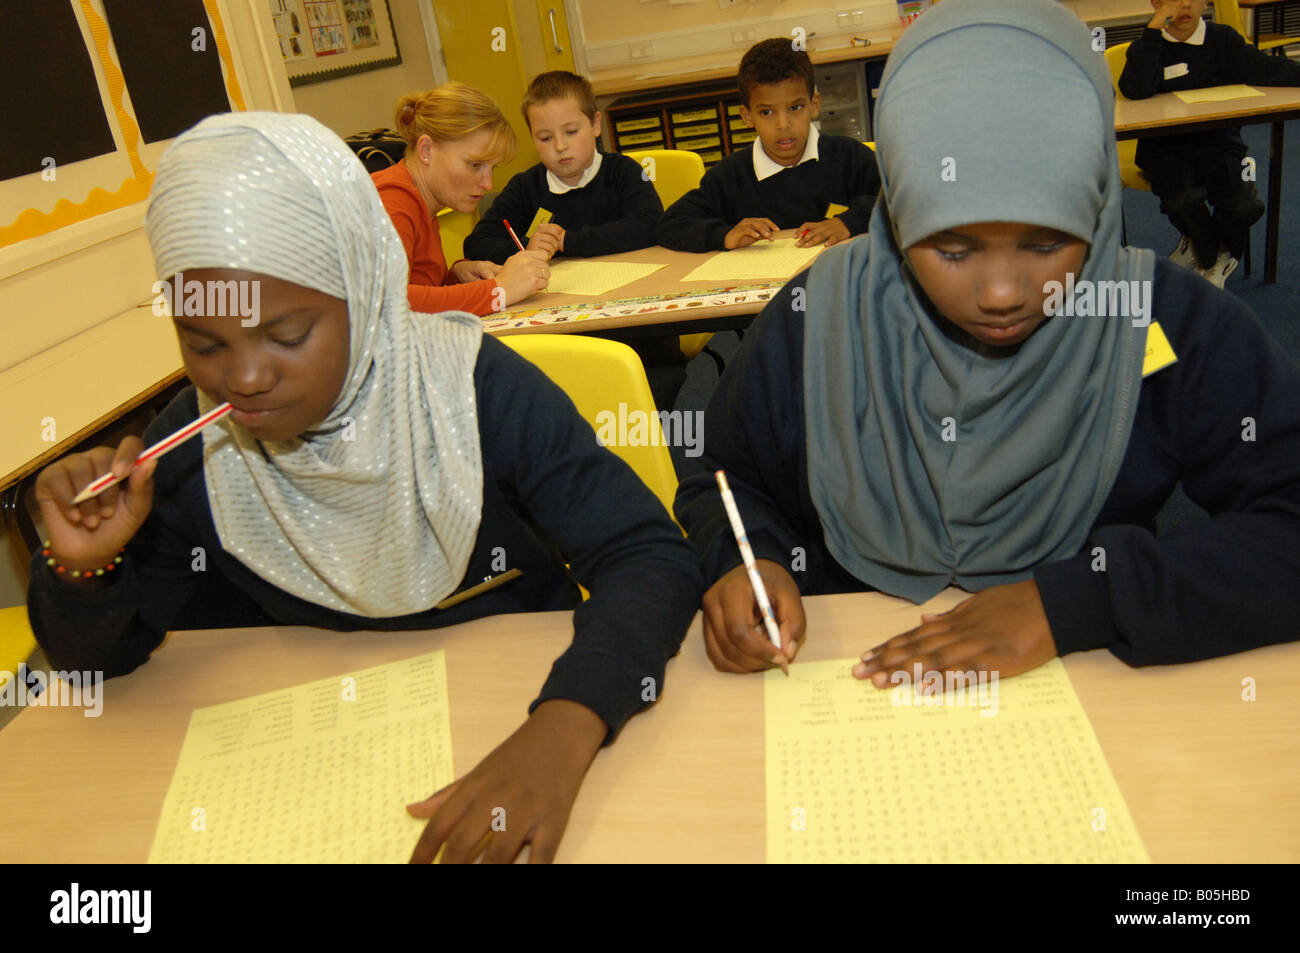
<point>869,145</point>
<point>1229,12</point>
<point>676,172</point>
<point>453,228</point>
<point>1129,172</point>
<point>16,640</point>
<point>598,375</point>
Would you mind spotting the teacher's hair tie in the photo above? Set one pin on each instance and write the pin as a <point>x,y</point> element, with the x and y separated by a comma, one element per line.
<point>61,570</point>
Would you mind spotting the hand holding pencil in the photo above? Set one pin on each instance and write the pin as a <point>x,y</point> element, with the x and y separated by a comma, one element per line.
<point>524,274</point>
<point>87,518</point>
<point>88,535</point>
<point>737,636</point>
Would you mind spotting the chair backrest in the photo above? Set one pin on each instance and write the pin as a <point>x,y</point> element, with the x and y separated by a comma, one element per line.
<point>1115,58</point>
<point>16,640</point>
<point>1228,12</point>
<point>869,145</point>
<point>676,171</point>
<point>599,375</point>
<point>453,228</point>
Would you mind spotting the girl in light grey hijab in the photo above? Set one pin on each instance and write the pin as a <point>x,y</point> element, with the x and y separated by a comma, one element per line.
<point>963,396</point>
<point>377,466</point>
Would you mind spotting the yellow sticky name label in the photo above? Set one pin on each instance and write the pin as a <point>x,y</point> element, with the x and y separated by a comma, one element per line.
<point>541,218</point>
<point>1160,354</point>
<point>835,209</point>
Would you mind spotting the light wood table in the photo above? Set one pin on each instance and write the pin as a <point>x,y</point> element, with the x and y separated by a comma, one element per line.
<point>1208,777</point>
<point>1166,114</point>
<point>667,280</point>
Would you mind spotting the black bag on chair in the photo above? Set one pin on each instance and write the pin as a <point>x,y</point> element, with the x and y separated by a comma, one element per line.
<point>377,149</point>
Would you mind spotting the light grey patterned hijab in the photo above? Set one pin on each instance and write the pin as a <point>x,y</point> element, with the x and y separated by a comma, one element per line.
<point>1013,93</point>
<point>381,524</point>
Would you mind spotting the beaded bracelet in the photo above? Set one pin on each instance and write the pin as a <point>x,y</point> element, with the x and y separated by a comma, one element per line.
<point>61,570</point>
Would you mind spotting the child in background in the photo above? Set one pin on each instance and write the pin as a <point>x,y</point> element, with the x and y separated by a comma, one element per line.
<point>455,136</point>
<point>376,462</point>
<point>577,201</point>
<point>791,177</point>
<point>1178,50</point>
<point>914,411</point>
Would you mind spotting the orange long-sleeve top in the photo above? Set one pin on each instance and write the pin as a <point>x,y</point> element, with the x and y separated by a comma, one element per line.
<point>433,287</point>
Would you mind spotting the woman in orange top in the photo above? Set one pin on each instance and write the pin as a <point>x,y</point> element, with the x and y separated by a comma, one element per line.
<point>455,136</point>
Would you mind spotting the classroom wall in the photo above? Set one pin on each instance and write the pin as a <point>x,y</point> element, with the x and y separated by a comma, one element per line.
<point>365,100</point>
<point>617,33</point>
<point>57,285</point>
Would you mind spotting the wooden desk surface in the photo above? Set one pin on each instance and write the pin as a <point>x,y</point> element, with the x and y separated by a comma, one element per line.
<point>1167,111</point>
<point>667,280</point>
<point>83,384</point>
<point>1207,776</point>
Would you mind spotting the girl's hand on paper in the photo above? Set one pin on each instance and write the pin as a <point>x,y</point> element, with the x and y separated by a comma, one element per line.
<point>749,230</point>
<point>547,239</point>
<point>467,271</point>
<point>828,232</point>
<point>519,794</point>
<point>525,273</point>
<point>734,635</point>
<point>88,535</point>
<point>1003,629</point>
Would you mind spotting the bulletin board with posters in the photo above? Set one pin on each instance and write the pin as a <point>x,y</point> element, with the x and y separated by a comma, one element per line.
<point>118,80</point>
<point>327,39</point>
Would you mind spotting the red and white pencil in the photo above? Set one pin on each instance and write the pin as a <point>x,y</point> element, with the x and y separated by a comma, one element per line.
<point>100,484</point>
<point>512,234</point>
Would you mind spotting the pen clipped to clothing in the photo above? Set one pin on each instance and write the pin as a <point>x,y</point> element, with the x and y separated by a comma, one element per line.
<point>755,580</point>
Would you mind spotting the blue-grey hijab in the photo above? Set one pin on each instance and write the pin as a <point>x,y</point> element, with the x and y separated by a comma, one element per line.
<point>1010,100</point>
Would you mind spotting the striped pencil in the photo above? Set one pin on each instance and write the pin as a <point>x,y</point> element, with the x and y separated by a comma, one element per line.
<point>100,484</point>
<point>512,234</point>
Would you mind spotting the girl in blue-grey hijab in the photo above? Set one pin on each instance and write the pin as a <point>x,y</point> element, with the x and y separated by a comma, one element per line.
<point>976,394</point>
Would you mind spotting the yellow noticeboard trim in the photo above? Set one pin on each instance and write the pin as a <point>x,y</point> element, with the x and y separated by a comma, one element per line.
<point>1160,353</point>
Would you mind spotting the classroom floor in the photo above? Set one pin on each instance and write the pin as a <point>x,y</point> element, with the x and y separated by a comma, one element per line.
<point>1276,305</point>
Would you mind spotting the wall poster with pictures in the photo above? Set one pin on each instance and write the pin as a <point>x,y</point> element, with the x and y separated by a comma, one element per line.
<point>328,39</point>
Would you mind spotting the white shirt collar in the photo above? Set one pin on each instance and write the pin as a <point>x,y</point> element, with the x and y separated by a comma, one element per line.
<point>559,188</point>
<point>1196,39</point>
<point>766,167</point>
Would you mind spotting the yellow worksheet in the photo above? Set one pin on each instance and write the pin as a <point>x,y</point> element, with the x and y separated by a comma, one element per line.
<point>572,277</point>
<point>763,259</point>
<point>317,773</point>
<point>1005,771</point>
<point>1217,94</point>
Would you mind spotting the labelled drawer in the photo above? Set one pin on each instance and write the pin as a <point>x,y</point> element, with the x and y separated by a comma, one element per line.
<point>703,113</point>
<point>695,145</point>
<point>632,125</point>
<point>704,129</point>
<point>642,138</point>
